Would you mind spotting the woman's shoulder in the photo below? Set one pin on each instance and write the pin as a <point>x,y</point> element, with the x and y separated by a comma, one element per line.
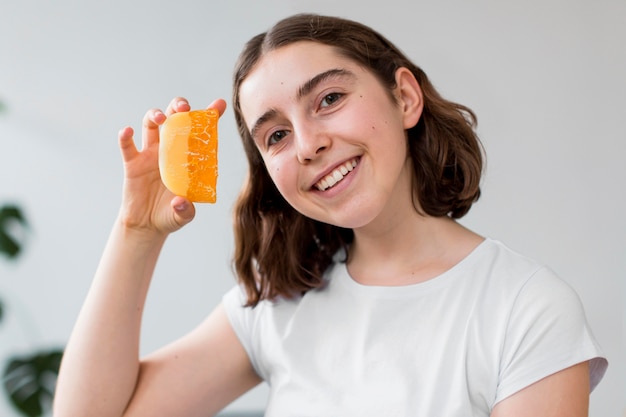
<point>499,273</point>
<point>503,262</point>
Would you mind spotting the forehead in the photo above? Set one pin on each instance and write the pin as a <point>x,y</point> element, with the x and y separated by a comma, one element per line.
<point>298,60</point>
<point>279,73</point>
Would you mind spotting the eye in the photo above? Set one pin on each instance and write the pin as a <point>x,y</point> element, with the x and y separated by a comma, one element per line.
<point>330,99</point>
<point>276,137</point>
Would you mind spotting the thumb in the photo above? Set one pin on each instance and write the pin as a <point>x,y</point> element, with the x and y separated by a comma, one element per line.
<point>184,210</point>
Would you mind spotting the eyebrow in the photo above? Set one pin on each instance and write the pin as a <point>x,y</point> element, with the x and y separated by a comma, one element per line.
<point>308,86</point>
<point>271,113</point>
<point>304,90</point>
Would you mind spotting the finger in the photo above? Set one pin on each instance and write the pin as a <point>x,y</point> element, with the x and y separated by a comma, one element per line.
<point>177,104</point>
<point>127,144</point>
<point>150,127</point>
<point>219,105</point>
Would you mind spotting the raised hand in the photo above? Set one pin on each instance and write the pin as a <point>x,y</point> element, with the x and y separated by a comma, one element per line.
<point>147,205</point>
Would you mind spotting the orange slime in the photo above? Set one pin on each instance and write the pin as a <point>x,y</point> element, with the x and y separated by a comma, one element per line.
<point>188,154</point>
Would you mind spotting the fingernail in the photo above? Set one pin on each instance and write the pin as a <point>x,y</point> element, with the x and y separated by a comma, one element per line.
<point>180,206</point>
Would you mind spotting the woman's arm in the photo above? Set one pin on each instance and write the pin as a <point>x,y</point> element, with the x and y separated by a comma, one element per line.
<point>100,364</point>
<point>563,394</point>
<point>101,374</point>
<point>197,375</point>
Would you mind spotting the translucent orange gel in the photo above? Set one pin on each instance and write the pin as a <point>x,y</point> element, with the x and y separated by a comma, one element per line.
<point>188,154</point>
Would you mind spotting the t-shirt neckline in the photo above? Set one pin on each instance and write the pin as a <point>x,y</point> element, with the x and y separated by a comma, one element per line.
<point>341,274</point>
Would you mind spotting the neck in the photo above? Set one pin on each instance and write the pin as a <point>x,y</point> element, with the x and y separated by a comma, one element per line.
<point>408,250</point>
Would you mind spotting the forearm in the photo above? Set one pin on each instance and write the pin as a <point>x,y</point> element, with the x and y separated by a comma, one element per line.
<point>101,361</point>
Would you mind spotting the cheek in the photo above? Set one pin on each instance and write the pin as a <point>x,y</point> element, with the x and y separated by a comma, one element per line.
<point>371,118</point>
<point>279,173</point>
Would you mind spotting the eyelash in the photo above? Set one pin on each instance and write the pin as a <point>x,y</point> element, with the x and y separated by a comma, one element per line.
<point>270,139</point>
<point>336,96</point>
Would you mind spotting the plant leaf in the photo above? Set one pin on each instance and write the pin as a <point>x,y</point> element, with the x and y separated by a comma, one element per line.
<point>30,381</point>
<point>1,310</point>
<point>9,245</point>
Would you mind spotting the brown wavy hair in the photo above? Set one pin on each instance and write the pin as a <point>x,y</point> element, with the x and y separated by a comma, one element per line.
<point>280,252</point>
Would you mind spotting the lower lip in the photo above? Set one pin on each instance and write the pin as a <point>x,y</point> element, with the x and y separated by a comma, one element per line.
<point>341,185</point>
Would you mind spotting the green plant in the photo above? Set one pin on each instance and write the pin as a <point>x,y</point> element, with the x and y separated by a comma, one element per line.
<point>28,379</point>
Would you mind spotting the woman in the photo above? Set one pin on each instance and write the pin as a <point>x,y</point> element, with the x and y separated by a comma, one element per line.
<point>360,294</point>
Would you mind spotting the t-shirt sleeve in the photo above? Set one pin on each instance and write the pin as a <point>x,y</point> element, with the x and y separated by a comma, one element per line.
<point>242,319</point>
<point>547,332</point>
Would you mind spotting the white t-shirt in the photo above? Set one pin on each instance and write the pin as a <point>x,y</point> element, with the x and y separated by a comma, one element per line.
<point>451,346</point>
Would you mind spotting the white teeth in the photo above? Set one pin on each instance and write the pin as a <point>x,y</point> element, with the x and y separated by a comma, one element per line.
<point>336,176</point>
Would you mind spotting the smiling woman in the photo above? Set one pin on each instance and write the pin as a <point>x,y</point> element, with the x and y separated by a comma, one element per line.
<point>325,134</point>
<point>360,293</point>
<point>371,122</point>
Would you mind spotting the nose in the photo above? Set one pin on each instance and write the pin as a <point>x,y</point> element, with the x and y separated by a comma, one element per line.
<point>310,144</point>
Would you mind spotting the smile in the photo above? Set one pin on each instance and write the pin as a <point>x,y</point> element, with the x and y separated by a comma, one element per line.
<point>336,176</point>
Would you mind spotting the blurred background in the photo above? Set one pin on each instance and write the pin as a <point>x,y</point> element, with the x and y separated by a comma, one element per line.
<point>545,77</point>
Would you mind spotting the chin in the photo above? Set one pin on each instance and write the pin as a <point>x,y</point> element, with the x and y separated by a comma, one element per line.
<point>358,213</point>
<point>350,221</point>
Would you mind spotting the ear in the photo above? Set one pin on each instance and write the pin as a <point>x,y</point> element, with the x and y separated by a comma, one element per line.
<point>409,95</point>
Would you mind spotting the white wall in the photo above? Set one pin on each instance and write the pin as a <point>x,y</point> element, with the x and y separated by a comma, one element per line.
<point>546,78</point>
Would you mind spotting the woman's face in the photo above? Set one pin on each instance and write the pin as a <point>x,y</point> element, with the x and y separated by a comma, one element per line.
<point>331,137</point>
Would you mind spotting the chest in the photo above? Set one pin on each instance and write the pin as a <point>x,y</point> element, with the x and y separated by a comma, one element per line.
<point>429,354</point>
